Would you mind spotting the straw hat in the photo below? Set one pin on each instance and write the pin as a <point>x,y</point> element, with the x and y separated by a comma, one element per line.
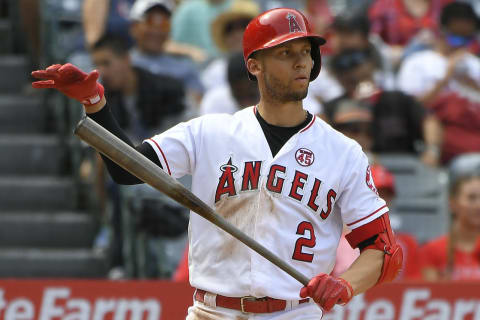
<point>240,9</point>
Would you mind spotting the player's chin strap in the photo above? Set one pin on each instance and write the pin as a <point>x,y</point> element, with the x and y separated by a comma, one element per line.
<point>385,241</point>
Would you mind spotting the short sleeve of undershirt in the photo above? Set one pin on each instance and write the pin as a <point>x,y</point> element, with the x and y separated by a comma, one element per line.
<point>359,202</point>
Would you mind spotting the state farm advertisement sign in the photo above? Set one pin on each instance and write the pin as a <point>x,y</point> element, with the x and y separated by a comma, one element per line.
<point>93,300</point>
<point>414,301</point>
<point>163,300</point>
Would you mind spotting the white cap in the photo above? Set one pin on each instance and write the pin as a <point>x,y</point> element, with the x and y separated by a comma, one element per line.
<point>141,6</point>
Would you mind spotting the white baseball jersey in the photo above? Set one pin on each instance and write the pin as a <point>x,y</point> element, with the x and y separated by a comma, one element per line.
<point>293,204</point>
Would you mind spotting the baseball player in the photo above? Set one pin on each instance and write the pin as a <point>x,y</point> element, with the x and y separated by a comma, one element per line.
<point>278,173</point>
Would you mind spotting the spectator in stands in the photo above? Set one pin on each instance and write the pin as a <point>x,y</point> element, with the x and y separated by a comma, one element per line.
<point>112,16</point>
<point>349,32</point>
<point>399,121</point>
<point>355,120</point>
<point>150,27</point>
<point>353,32</point>
<point>385,184</point>
<point>397,22</point>
<point>191,23</point>
<point>227,32</point>
<point>446,79</point>
<point>142,103</point>
<point>98,17</point>
<point>456,255</point>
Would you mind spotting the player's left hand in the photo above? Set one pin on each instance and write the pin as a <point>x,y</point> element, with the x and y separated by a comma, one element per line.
<point>327,291</point>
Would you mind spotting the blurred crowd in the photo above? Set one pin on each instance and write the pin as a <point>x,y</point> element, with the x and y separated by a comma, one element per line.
<point>398,76</point>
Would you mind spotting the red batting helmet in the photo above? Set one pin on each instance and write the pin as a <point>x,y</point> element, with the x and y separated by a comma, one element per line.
<point>276,26</point>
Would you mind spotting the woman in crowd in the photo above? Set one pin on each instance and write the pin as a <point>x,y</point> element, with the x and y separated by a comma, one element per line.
<point>456,255</point>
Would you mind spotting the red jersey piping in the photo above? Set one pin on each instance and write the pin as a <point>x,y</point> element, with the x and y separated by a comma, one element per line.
<point>371,214</point>
<point>163,155</point>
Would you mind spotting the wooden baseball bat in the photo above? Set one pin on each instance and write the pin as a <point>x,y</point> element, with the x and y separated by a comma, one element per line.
<point>144,169</point>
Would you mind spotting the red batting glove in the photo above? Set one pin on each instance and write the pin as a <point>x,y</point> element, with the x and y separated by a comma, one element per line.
<point>327,291</point>
<point>72,82</point>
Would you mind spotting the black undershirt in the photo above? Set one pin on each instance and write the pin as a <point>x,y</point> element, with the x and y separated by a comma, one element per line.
<point>277,136</point>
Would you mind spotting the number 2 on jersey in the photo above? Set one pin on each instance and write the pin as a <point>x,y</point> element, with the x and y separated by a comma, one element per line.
<point>309,242</point>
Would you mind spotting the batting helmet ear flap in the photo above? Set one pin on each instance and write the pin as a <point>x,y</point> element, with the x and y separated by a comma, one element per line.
<point>317,60</point>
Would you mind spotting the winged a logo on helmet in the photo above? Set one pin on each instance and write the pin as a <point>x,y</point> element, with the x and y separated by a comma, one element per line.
<point>292,23</point>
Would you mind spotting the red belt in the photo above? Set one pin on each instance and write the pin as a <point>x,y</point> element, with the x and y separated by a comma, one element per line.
<point>247,304</point>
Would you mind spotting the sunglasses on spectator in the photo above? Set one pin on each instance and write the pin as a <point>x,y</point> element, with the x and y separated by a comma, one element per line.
<point>348,61</point>
<point>235,25</point>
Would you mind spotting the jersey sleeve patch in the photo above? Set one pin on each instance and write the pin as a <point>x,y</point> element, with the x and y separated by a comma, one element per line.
<point>369,180</point>
<point>160,155</point>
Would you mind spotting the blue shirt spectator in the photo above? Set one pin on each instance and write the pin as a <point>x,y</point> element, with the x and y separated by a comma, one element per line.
<point>191,23</point>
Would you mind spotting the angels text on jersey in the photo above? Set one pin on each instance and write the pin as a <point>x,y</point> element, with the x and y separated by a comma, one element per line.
<point>233,182</point>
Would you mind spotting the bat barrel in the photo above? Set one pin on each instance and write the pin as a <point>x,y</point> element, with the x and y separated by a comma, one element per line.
<point>134,162</point>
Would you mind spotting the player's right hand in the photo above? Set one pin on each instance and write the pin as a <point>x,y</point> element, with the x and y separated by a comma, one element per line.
<point>72,82</point>
<point>327,291</point>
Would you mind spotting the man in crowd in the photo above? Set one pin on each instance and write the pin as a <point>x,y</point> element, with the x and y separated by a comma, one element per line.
<point>400,123</point>
<point>150,28</point>
<point>446,80</point>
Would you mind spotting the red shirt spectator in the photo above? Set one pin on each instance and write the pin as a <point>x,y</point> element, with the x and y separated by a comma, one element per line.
<point>446,79</point>
<point>467,264</point>
<point>410,269</point>
<point>396,24</point>
<point>461,119</point>
<point>456,256</point>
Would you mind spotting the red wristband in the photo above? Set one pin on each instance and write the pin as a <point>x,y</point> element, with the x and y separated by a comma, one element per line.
<point>90,101</point>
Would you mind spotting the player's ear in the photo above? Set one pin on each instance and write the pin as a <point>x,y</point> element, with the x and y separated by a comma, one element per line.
<point>254,66</point>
